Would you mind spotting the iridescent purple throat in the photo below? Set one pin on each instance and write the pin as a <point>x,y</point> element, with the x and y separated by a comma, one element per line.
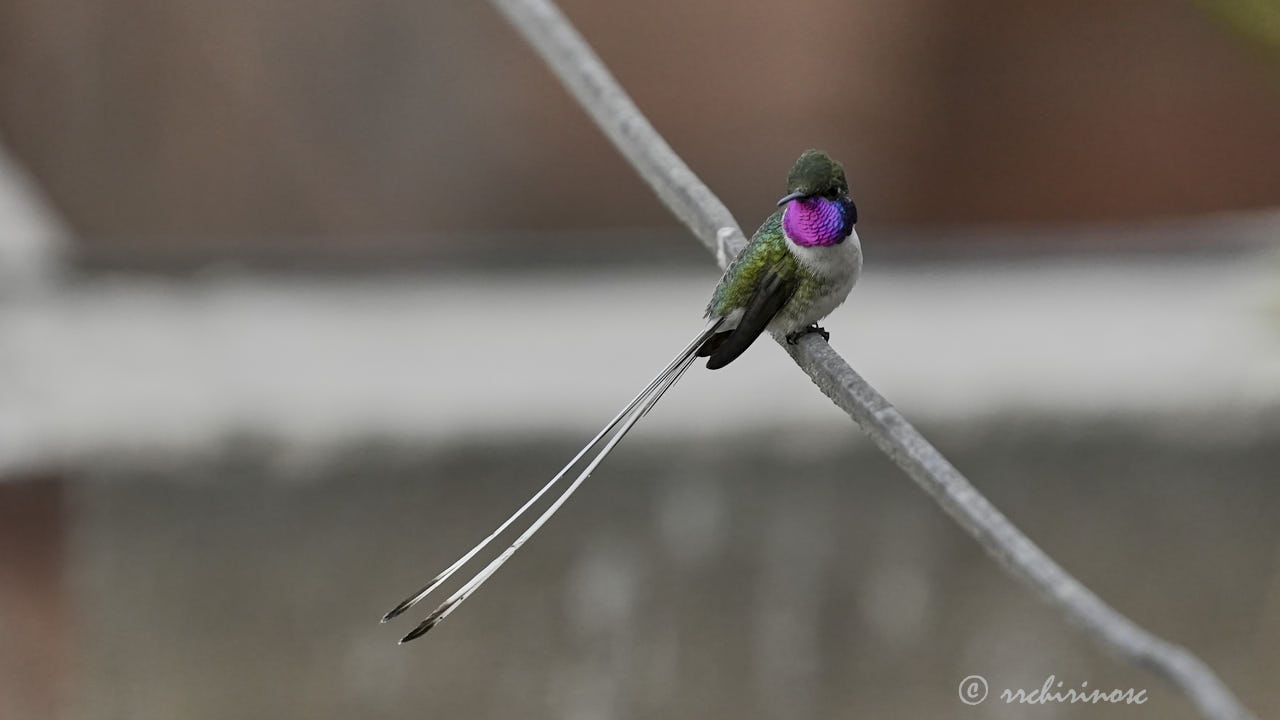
<point>816,221</point>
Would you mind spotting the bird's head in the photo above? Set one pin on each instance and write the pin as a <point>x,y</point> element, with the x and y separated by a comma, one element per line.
<point>815,174</point>
<point>819,209</point>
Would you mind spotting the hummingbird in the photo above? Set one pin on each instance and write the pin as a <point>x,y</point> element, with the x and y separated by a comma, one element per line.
<point>798,267</point>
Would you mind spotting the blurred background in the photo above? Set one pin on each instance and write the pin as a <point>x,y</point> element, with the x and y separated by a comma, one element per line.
<point>297,301</point>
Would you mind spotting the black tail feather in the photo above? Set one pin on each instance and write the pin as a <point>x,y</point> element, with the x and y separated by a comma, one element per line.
<point>772,294</point>
<point>713,343</point>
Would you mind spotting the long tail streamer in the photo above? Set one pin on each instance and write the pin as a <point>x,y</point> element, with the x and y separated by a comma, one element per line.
<point>620,425</point>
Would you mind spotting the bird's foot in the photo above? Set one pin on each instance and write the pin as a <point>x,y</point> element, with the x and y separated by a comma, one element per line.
<point>794,337</point>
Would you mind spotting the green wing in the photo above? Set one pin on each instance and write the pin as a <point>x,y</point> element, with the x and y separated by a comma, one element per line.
<point>760,282</point>
<point>767,250</point>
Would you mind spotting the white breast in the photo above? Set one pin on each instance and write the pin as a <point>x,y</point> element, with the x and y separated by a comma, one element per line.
<point>832,261</point>
<point>839,264</point>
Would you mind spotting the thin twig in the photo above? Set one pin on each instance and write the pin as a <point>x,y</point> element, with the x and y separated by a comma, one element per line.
<point>586,77</point>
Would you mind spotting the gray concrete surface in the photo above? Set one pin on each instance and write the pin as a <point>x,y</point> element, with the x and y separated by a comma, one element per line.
<point>737,576</point>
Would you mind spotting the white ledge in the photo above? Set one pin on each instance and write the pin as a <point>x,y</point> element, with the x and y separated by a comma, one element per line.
<point>132,363</point>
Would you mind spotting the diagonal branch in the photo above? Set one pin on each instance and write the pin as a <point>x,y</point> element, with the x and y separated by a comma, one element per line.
<point>586,77</point>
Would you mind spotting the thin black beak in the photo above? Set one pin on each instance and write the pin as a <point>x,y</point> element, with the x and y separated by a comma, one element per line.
<point>793,196</point>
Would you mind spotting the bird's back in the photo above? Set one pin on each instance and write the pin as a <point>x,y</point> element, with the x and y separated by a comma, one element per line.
<point>767,249</point>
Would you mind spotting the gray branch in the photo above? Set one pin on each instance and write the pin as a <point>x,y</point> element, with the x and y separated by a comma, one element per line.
<point>586,77</point>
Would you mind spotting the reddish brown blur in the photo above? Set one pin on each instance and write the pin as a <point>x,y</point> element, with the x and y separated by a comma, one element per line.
<point>190,131</point>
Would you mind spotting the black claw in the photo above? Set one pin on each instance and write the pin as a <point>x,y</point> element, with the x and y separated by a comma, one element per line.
<point>794,337</point>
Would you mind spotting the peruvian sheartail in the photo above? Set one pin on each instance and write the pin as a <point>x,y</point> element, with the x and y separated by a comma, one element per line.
<point>798,267</point>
